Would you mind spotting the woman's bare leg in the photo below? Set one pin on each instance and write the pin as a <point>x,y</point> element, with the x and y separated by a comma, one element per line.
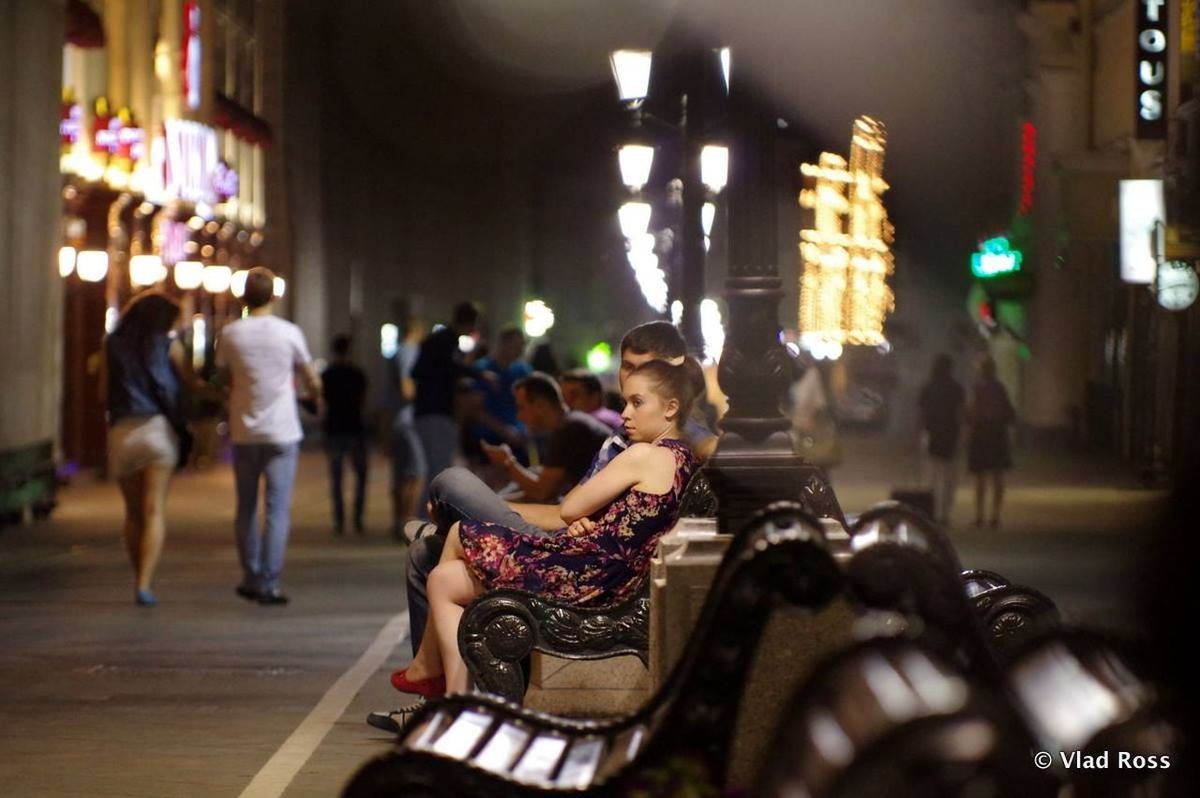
<point>131,492</point>
<point>451,588</point>
<point>427,662</point>
<point>154,502</point>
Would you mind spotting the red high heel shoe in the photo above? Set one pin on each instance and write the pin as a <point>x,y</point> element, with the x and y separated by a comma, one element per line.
<point>432,687</point>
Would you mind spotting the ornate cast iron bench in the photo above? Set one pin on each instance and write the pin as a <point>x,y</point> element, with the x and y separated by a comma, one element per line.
<point>901,563</point>
<point>1012,615</point>
<point>473,744</point>
<point>890,717</point>
<point>501,628</point>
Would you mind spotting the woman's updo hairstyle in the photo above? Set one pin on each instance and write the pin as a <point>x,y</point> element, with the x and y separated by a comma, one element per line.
<point>681,379</point>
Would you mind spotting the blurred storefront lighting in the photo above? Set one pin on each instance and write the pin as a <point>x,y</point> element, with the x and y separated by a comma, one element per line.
<point>216,279</point>
<point>1143,213</point>
<point>237,283</point>
<point>92,265</point>
<point>708,212</point>
<point>146,270</point>
<point>466,344</point>
<point>199,340</point>
<point>66,261</point>
<point>280,287</point>
<point>189,274</point>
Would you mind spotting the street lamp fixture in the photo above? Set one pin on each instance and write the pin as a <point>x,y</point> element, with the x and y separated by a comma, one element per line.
<point>708,212</point>
<point>634,218</point>
<point>714,167</point>
<point>635,161</point>
<point>189,274</point>
<point>631,70</point>
<point>688,210</point>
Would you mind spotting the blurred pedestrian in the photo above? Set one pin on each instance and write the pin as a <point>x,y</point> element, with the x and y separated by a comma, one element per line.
<point>143,369</point>
<point>437,371</point>
<point>989,414</point>
<point>344,388</point>
<point>495,420</point>
<point>582,391</point>
<point>544,360</point>
<point>940,409</point>
<point>260,357</point>
<point>814,424</point>
<point>408,455</point>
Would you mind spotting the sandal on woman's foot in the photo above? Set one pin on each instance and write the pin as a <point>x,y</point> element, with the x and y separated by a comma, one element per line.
<point>397,719</point>
<point>432,687</point>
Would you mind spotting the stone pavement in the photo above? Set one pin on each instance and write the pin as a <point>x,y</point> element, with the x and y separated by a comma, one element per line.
<point>99,697</point>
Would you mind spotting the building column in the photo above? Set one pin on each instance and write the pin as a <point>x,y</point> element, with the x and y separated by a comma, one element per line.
<point>31,46</point>
<point>1055,376</point>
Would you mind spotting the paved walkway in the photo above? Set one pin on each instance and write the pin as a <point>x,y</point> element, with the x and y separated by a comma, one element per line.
<point>207,695</point>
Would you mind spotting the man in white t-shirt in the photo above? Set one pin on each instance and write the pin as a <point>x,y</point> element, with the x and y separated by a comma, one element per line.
<point>260,357</point>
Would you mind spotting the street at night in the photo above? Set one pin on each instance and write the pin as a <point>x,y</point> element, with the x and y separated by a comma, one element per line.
<point>639,398</point>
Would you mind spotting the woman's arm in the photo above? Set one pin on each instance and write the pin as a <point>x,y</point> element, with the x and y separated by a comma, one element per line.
<point>622,472</point>
<point>545,516</point>
<point>187,375</point>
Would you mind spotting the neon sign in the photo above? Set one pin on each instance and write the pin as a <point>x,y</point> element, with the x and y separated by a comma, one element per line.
<point>1028,167</point>
<point>1150,78</point>
<point>995,257</point>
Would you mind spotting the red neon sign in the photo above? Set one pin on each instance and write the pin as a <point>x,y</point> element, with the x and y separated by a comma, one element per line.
<point>1028,167</point>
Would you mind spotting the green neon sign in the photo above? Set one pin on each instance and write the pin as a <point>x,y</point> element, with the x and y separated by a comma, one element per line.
<point>995,257</point>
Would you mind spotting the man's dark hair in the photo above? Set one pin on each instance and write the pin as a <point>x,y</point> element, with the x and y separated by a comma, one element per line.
<point>465,315</point>
<point>654,337</point>
<point>341,345</point>
<point>260,287</point>
<point>589,381</point>
<point>540,385</point>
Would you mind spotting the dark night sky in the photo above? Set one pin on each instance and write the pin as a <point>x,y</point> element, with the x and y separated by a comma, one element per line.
<point>493,111</point>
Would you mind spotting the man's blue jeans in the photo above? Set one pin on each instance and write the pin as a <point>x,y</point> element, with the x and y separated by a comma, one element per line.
<point>457,495</point>
<point>262,555</point>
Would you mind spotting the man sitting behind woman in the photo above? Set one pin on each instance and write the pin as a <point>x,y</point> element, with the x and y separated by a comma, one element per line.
<point>610,525</point>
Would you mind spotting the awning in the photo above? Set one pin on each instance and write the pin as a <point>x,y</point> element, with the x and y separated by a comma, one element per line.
<point>84,27</point>
<point>240,122</point>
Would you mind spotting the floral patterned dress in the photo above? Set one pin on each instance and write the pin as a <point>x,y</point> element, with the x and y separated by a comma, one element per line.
<point>603,567</point>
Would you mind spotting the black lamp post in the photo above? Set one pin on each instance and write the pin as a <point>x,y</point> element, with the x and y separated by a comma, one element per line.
<point>703,169</point>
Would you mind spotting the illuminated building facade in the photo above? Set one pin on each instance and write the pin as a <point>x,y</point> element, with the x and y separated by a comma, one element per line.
<point>168,172</point>
<point>846,255</point>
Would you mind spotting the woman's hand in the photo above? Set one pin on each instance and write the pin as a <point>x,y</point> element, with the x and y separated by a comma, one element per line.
<point>581,527</point>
